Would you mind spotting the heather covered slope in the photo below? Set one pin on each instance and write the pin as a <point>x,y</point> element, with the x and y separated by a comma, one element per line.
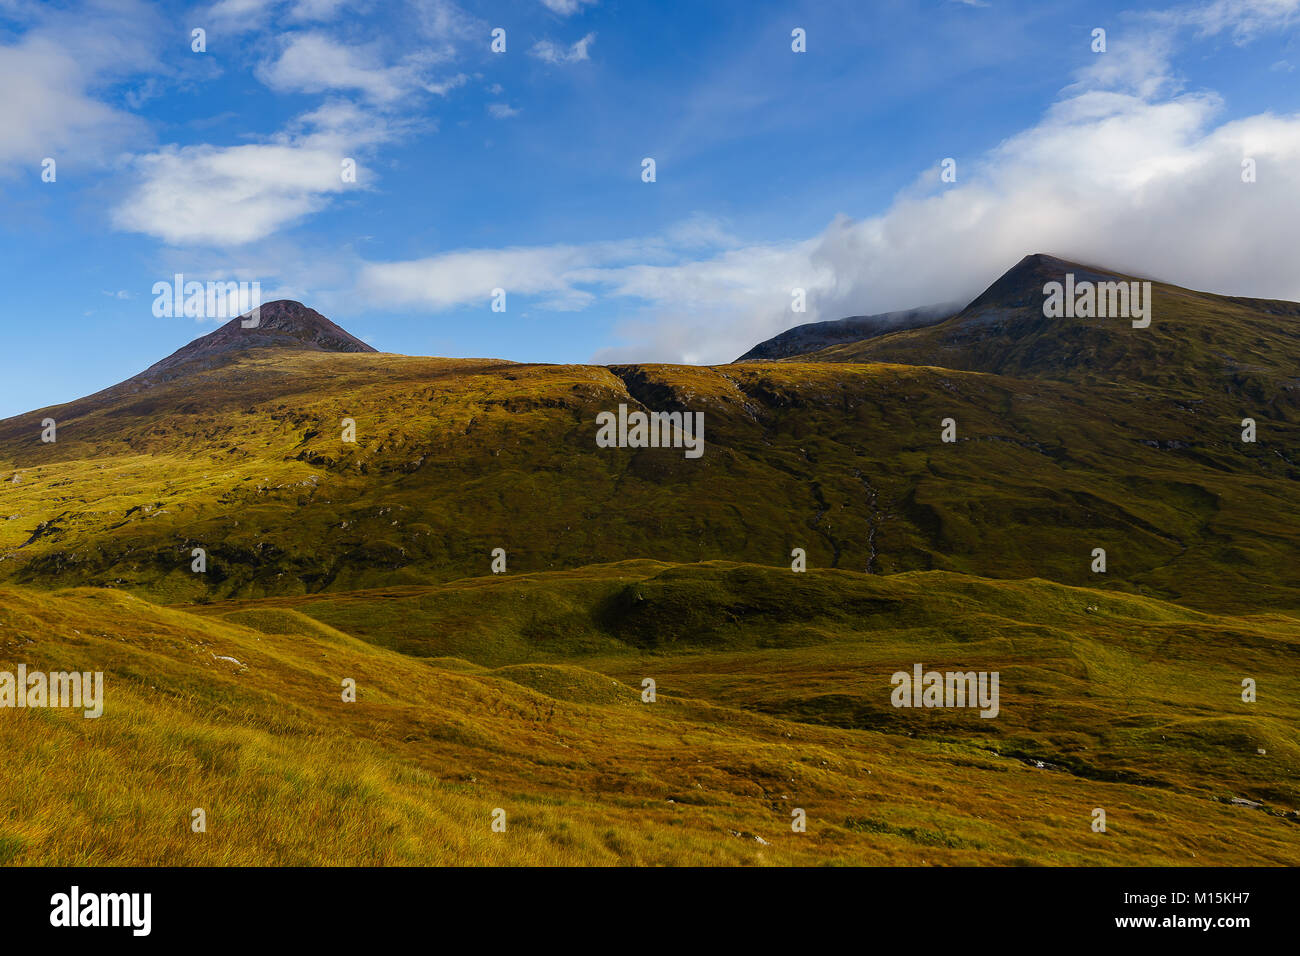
<point>238,711</point>
<point>456,457</point>
<point>1198,344</point>
<point>1100,684</point>
<point>814,336</point>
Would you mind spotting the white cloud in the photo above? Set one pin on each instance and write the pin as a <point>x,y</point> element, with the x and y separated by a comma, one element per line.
<point>1120,177</point>
<point>502,110</point>
<point>227,195</point>
<point>224,195</point>
<point>318,10</point>
<point>54,114</point>
<point>1125,171</point>
<point>443,87</point>
<point>466,276</point>
<point>237,194</point>
<point>567,8</point>
<point>549,52</point>
<point>237,16</point>
<point>315,63</point>
<point>53,74</point>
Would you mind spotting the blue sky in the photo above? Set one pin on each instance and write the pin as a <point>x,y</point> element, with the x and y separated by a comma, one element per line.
<point>523,170</point>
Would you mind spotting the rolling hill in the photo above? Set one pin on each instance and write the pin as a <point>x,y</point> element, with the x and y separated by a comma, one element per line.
<point>237,712</point>
<point>327,558</point>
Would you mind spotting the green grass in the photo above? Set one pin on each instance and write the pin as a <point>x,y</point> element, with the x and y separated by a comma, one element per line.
<point>454,459</point>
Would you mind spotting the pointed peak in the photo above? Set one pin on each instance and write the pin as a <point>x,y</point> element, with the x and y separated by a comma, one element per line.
<point>287,317</point>
<point>282,324</point>
<point>1022,284</point>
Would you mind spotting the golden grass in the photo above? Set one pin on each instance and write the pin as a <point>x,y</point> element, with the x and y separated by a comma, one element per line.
<point>587,773</point>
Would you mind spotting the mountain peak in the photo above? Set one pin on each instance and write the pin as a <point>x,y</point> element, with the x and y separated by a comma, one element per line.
<point>282,324</point>
<point>1021,286</point>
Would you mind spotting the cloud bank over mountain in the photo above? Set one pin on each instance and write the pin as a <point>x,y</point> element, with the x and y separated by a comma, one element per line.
<point>1130,163</point>
<point>1127,166</point>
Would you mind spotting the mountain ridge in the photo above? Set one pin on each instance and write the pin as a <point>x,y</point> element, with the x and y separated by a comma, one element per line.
<point>1193,338</point>
<point>814,336</point>
<point>231,538</point>
<point>242,452</point>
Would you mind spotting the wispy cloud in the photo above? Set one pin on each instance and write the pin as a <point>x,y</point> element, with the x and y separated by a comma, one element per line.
<point>315,63</point>
<point>446,27</point>
<point>237,16</point>
<point>318,10</point>
<point>567,8</point>
<point>1125,169</point>
<point>1243,19</point>
<point>550,52</point>
<point>443,87</point>
<point>224,195</point>
<point>54,73</point>
<point>237,194</point>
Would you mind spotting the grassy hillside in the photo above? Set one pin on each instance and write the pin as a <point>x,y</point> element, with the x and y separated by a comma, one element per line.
<point>1198,344</point>
<point>1099,683</point>
<point>238,711</point>
<point>455,458</point>
<point>329,559</point>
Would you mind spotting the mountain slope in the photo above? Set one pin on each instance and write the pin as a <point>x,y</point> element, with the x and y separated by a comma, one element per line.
<point>242,452</point>
<point>814,336</point>
<point>1196,342</point>
<point>454,458</point>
